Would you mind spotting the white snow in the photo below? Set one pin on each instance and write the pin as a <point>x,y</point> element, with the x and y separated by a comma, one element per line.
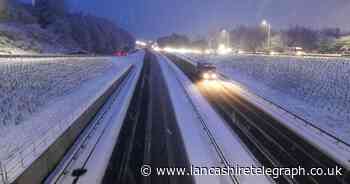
<point>48,95</point>
<point>197,144</point>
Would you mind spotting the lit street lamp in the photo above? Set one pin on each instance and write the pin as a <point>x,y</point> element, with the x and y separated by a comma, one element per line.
<point>264,23</point>
<point>225,38</point>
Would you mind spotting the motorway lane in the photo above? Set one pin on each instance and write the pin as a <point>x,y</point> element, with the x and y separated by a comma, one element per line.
<point>150,135</point>
<point>127,157</point>
<point>166,146</point>
<point>211,90</point>
<point>279,146</point>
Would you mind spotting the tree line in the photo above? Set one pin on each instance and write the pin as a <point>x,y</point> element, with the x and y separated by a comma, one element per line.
<point>87,32</point>
<point>254,38</point>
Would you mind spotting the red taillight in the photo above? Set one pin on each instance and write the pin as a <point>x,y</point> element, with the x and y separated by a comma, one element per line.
<point>120,53</point>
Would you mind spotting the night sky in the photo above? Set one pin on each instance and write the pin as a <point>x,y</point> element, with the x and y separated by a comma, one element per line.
<point>153,18</point>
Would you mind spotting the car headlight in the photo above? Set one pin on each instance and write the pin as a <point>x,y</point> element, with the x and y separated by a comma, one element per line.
<point>206,76</point>
<point>214,76</point>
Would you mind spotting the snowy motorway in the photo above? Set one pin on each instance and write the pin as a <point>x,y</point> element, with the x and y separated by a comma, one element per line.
<point>176,127</point>
<point>271,141</point>
<point>148,109</point>
<point>154,118</point>
<point>316,89</point>
<point>216,145</point>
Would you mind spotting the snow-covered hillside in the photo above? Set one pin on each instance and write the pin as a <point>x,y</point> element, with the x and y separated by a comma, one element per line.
<point>315,89</point>
<point>29,30</point>
<point>32,89</point>
<point>16,38</point>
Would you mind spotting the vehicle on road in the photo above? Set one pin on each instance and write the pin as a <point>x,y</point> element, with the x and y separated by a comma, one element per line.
<point>120,53</point>
<point>207,71</point>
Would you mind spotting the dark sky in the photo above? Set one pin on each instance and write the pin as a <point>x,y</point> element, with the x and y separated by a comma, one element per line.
<point>153,18</point>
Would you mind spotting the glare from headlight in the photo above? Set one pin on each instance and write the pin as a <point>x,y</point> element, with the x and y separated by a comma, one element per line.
<point>206,76</point>
<point>214,76</point>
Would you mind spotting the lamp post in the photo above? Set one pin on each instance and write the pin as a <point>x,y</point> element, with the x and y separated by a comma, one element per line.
<point>225,38</point>
<point>264,23</point>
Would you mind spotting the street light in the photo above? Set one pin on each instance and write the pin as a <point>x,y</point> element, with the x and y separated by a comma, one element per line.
<point>264,23</point>
<point>225,38</point>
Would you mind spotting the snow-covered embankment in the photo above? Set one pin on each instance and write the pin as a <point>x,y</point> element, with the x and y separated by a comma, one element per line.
<point>44,96</point>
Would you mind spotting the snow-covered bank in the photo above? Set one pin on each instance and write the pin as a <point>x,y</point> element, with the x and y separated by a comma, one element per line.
<point>317,90</point>
<point>16,38</point>
<point>37,94</point>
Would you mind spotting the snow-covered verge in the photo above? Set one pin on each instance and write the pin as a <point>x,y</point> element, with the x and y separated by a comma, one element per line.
<point>98,160</point>
<point>318,90</point>
<point>38,94</point>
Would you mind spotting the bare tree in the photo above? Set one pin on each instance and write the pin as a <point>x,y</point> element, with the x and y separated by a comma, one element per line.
<point>49,10</point>
<point>299,36</point>
<point>248,38</point>
<point>174,40</point>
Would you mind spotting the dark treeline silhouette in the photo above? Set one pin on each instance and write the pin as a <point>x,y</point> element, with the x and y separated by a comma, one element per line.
<point>178,41</point>
<point>301,37</point>
<point>49,11</point>
<point>248,38</point>
<point>255,38</point>
<point>92,34</point>
<point>174,40</point>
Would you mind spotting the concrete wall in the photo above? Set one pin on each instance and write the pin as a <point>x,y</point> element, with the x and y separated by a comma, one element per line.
<point>41,168</point>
